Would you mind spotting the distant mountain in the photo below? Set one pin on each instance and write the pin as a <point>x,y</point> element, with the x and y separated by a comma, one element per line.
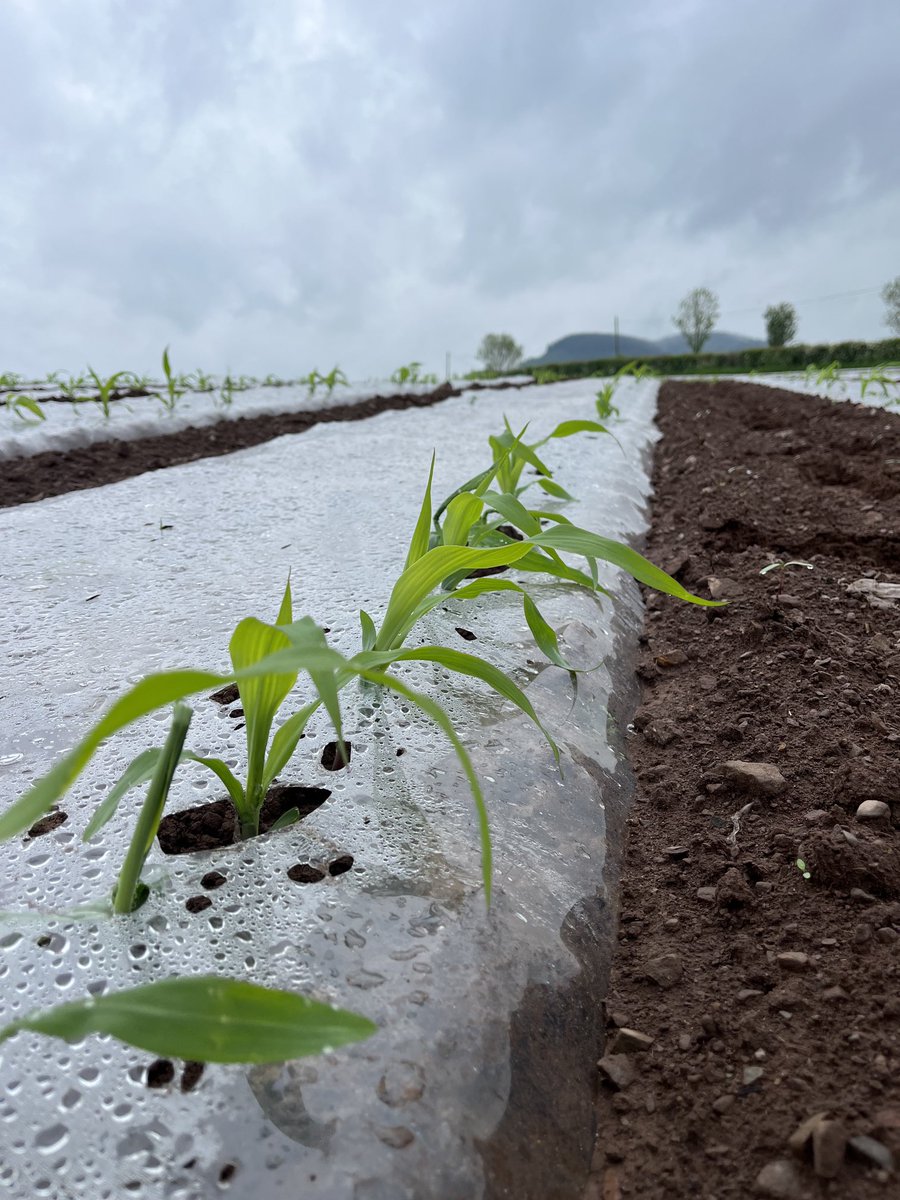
<point>586,347</point>
<point>719,342</point>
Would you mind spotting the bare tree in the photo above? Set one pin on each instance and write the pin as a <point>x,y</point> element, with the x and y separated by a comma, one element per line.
<point>781,324</point>
<point>890,294</point>
<point>696,317</point>
<point>499,352</point>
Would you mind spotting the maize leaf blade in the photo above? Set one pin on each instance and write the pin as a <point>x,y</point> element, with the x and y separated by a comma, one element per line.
<point>206,1018</point>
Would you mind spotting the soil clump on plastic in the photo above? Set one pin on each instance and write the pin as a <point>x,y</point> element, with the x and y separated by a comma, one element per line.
<point>753,1015</point>
<point>214,825</point>
<point>55,472</point>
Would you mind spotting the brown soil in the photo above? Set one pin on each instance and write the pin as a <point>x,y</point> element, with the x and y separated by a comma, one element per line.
<point>211,826</point>
<point>769,997</point>
<point>55,472</point>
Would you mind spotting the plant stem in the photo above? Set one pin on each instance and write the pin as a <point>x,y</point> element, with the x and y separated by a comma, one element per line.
<point>151,812</point>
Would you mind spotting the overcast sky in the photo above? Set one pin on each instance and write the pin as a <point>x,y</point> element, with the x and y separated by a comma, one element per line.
<point>276,185</point>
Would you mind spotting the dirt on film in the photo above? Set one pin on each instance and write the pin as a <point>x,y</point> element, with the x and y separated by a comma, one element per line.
<point>753,1016</point>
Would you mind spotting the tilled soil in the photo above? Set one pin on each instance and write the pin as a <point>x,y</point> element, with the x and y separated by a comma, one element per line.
<point>54,472</point>
<point>751,992</point>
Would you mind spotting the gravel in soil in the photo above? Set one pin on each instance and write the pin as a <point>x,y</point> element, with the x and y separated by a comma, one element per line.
<point>55,472</point>
<point>753,1014</point>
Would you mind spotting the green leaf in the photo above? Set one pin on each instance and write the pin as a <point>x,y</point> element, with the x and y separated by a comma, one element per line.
<point>571,539</point>
<point>138,771</point>
<point>220,769</point>
<point>291,817</point>
<point>419,543</point>
<point>369,632</point>
<point>285,611</point>
<point>463,664</point>
<point>568,428</point>
<point>156,691</point>
<point>423,576</point>
<point>514,511</point>
<point>261,697</point>
<point>545,636</point>
<point>308,639</point>
<point>130,893</point>
<point>432,709</point>
<point>31,405</point>
<point>284,743</point>
<point>462,513</point>
<point>206,1018</point>
<point>554,489</point>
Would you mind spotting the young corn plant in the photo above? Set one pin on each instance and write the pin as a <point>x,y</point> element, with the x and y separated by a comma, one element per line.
<point>106,389</point>
<point>407,374</point>
<point>226,392</point>
<point>333,379</point>
<point>174,390</point>
<point>828,376</point>
<point>21,406</point>
<point>266,662</point>
<point>9,379</point>
<point>879,377</point>
<point>72,386</point>
<point>449,564</point>
<point>606,410</point>
<point>200,381</point>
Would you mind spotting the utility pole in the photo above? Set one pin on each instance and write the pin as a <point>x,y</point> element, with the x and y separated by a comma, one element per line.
<point>447,365</point>
<point>616,335</point>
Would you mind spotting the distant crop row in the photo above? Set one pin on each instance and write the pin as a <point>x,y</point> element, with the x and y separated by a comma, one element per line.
<point>93,388</point>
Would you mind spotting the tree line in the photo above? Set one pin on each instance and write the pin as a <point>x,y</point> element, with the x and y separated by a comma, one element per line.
<point>695,319</point>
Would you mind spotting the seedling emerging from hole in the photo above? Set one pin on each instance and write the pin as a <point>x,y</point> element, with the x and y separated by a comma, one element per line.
<point>803,869</point>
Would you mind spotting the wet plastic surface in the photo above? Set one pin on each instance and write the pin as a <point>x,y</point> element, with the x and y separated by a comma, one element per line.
<point>479,1080</point>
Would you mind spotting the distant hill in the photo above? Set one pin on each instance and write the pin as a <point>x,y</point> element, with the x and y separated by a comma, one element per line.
<point>585,347</point>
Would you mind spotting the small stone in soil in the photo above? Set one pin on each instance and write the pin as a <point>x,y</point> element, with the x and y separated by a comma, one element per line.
<point>618,1069</point>
<point>197,904</point>
<point>304,873</point>
<point>160,1073</point>
<point>212,879</point>
<point>793,960</point>
<point>870,1150</point>
<point>780,1180</point>
<point>671,658</point>
<point>762,778</point>
<point>666,970</point>
<point>873,810</point>
<point>829,1139</point>
<point>630,1041</point>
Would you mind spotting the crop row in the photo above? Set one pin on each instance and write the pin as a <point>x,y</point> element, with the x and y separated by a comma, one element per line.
<point>458,550</point>
<point>92,388</point>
